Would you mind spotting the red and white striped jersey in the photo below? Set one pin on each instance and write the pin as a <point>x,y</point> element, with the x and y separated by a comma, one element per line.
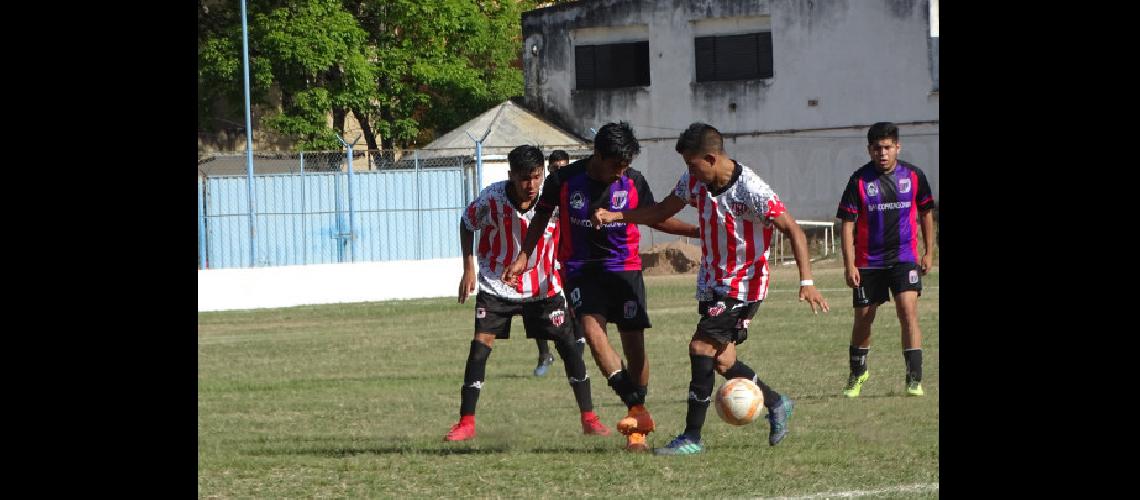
<point>736,232</point>
<point>502,229</point>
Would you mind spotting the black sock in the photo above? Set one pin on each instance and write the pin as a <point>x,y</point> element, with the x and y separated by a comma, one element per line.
<point>701,383</point>
<point>741,370</point>
<point>913,359</point>
<point>625,388</point>
<point>858,359</point>
<point>473,376</point>
<point>575,372</point>
<point>543,348</point>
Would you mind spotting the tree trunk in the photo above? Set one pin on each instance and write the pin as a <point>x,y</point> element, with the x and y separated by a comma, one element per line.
<point>369,137</point>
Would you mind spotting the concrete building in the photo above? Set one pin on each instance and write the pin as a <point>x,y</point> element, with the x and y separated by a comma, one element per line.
<point>792,84</point>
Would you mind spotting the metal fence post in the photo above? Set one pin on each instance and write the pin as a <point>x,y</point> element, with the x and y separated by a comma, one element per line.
<point>248,140</point>
<point>203,262</point>
<point>351,196</point>
<point>304,232</point>
<point>419,208</point>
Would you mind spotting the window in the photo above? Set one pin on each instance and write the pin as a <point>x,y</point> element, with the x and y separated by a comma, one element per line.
<point>734,57</point>
<point>612,65</point>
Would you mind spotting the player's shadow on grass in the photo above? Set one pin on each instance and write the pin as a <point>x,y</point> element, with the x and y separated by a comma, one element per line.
<point>337,449</point>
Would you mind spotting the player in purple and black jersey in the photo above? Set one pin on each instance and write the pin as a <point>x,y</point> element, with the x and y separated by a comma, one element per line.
<point>602,267</point>
<point>885,204</point>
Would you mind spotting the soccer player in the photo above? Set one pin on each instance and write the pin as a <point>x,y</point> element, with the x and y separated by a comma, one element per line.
<point>885,203</point>
<point>502,212</point>
<point>737,212</point>
<point>603,267</point>
<point>557,159</point>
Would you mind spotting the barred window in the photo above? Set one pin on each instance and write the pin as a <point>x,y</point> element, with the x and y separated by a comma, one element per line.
<point>734,57</point>
<point>612,65</point>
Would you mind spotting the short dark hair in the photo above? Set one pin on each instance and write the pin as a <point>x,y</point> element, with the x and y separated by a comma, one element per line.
<point>524,159</point>
<point>700,138</point>
<point>882,130</point>
<point>616,140</point>
<point>558,155</point>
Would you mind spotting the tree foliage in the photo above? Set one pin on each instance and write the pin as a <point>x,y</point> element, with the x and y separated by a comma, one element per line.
<point>404,68</point>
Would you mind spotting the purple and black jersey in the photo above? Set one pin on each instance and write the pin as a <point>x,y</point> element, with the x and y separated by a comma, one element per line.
<point>885,209</point>
<point>581,247</point>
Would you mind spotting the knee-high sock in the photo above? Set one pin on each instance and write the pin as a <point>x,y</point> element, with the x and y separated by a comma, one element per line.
<point>575,372</point>
<point>701,383</point>
<point>473,376</point>
<point>741,370</point>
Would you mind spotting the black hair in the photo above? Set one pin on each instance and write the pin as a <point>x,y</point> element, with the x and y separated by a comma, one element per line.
<point>616,140</point>
<point>700,138</point>
<point>524,159</point>
<point>883,130</point>
<point>558,155</point>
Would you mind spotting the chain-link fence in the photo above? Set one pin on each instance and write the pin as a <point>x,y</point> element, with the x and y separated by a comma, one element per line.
<point>310,208</point>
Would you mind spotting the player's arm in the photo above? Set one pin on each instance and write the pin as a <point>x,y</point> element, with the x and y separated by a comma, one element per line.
<point>533,233</point>
<point>675,226</point>
<point>467,282</point>
<point>926,220</point>
<point>847,245</point>
<point>655,215</point>
<point>787,225</point>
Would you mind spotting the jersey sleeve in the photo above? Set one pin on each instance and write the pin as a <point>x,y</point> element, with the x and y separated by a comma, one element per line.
<point>551,190</point>
<point>476,214</point>
<point>849,203</point>
<point>684,190</point>
<point>644,194</point>
<point>925,198</point>
<point>765,202</point>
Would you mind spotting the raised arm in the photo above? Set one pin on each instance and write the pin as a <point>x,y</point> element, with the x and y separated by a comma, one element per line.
<point>808,292</point>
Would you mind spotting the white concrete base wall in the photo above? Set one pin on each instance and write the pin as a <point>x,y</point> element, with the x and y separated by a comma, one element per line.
<point>286,286</point>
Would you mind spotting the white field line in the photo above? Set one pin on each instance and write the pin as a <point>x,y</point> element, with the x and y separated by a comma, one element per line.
<point>910,488</point>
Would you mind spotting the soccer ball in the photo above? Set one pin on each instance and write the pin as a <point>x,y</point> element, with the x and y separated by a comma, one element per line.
<point>738,401</point>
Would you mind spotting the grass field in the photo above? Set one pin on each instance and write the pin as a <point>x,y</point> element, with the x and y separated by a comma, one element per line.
<point>352,400</point>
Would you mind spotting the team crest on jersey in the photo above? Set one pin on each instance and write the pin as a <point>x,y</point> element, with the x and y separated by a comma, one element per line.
<point>577,201</point>
<point>872,189</point>
<point>630,309</point>
<point>480,313</point>
<point>557,318</point>
<point>717,309</point>
<point>904,185</point>
<point>619,199</point>
<point>913,276</point>
<point>738,208</point>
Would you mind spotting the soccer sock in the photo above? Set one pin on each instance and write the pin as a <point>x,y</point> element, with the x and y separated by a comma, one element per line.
<point>741,370</point>
<point>575,372</point>
<point>620,382</point>
<point>543,348</point>
<point>700,392</point>
<point>913,359</point>
<point>858,359</point>
<point>473,376</point>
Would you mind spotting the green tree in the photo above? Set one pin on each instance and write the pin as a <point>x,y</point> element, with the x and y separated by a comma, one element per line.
<point>404,68</point>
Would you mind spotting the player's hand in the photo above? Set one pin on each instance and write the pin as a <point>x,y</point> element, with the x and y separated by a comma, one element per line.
<point>927,263</point>
<point>814,298</point>
<point>466,285</point>
<point>602,216</point>
<point>512,272</point>
<point>851,274</point>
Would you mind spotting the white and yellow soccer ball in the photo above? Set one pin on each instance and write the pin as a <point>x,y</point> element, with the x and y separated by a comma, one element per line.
<point>738,401</point>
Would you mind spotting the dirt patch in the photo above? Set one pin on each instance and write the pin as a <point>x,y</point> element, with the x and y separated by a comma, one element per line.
<point>677,257</point>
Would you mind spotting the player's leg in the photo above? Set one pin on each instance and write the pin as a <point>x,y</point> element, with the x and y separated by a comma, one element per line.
<point>627,308</point>
<point>907,286</point>
<point>702,367</point>
<point>550,319</point>
<point>492,320</point>
<point>865,300</point>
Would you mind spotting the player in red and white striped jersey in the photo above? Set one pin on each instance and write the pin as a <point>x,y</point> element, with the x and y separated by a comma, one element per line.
<point>501,214</point>
<point>737,212</point>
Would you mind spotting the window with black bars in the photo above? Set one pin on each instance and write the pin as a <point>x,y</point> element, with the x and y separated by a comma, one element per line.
<point>612,65</point>
<point>734,57</point>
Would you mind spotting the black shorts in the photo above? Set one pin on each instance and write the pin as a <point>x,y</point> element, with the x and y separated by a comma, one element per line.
<point>726,319</point>
<point>617,295</point>
<point>543,319</point>
<point>874,283</point>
